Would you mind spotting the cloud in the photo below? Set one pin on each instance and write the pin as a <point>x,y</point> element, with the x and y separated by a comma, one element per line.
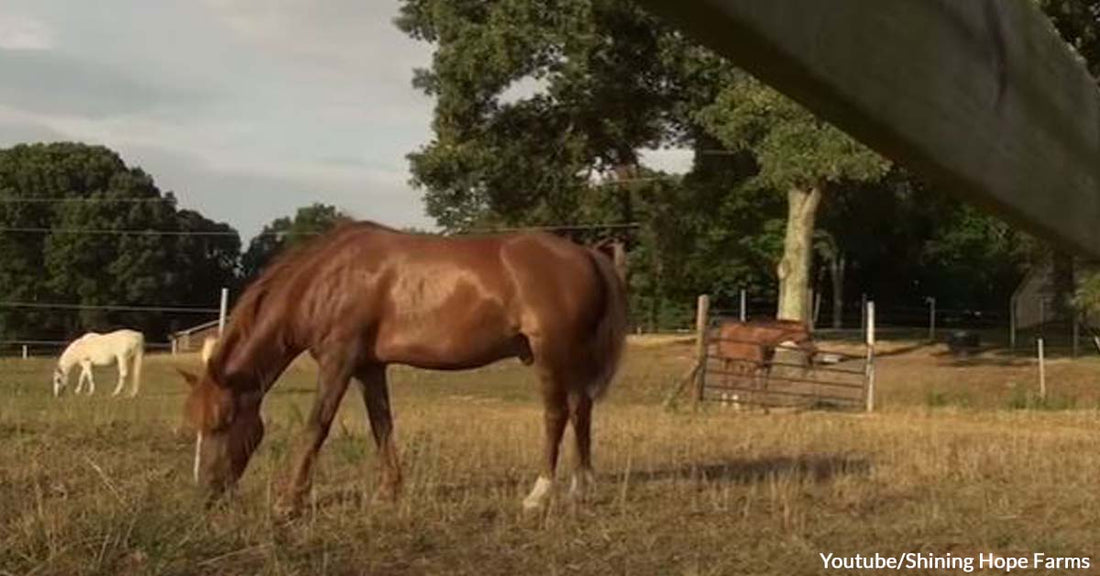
<point>247,109</point>
<point>251,196</point>
<point>335,34</point>
<point>19,33</point>
<point>49,82</point>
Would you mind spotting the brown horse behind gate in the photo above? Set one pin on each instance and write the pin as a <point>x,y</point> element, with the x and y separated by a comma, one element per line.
<point>365,296</point>
<point>746,349</point>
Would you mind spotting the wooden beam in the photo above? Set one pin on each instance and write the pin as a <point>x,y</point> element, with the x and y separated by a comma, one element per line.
<point>980,97</point>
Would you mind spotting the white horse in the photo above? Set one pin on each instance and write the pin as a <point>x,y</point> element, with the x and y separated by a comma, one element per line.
<point>122,347</point>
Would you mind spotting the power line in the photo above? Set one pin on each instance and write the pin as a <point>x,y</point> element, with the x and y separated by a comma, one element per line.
<point>109,232</point>
<point>165,345</point>
<point>614,226</point>
<point>110,308</point>
<point>633,180</point>
<point>47,200</point>
<point>222,233</point>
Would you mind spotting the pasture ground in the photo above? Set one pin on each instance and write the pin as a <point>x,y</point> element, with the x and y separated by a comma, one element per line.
<point>960,459</point>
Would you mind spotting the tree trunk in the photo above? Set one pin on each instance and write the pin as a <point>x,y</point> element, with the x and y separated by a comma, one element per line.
<point>794,268</point>
<point>836,267</point>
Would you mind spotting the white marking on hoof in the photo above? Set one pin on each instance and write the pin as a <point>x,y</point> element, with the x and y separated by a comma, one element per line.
<point>581,485</point>
<point>539,494</point>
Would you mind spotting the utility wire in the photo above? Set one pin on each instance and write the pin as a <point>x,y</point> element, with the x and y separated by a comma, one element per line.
<point>94,200</point>
<point>52,306</point>
<point>217,233</point>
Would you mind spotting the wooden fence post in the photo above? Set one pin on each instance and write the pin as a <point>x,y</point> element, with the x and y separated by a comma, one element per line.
<point>1012,322</point>
<point>931,318</point>
<point>870,370</point>
<point>702,315</point>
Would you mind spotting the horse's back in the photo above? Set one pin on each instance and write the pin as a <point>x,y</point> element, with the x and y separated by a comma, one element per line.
<point>740,341</point>
<point>458,302</point>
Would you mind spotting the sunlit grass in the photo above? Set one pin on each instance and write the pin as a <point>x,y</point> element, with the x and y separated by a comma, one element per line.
<point>102,486</point>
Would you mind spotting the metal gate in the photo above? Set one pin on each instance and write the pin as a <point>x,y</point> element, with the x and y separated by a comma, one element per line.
<point>743,372</point>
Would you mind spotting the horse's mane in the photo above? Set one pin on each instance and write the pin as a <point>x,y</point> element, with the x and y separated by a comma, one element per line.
<point>242,320</point>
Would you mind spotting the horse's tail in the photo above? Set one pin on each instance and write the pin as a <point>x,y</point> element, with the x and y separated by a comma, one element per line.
<point>139,355</point>
<point>610,335</point>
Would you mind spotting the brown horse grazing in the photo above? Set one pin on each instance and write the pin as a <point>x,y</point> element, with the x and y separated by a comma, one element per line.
<point>364,296</point>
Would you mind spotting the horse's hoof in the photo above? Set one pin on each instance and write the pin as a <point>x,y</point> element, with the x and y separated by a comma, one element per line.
<point>283,511</point>
<point>387,493</point>
<point>533,505</point>
<point>540,494</point>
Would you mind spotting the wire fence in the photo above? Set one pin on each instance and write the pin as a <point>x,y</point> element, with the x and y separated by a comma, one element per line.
<point>924,321</point>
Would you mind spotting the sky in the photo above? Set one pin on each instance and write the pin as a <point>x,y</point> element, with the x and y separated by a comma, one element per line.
<point>245,109</point>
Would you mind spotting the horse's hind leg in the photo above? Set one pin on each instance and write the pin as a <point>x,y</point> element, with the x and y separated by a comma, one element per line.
<point>332,383</point>
<point>555,417</point>
<point>580,413</point>
<point>122,372</point>
<point>376,396</point>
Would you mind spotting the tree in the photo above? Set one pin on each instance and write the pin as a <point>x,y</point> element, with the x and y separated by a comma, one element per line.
<point>83,238</point>
<point>211,256</point>
<point>590,94</point>
<point>283,232</point>
<point>1078,22</point>
<point>797,153</point>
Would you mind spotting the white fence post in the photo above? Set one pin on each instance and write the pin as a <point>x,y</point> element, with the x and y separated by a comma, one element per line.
<point>870,370</point>
<point>1042,371</point>
<point>222,310</point>
<point>702,325</point>
<point>744,310</point>
<point>25,352</point>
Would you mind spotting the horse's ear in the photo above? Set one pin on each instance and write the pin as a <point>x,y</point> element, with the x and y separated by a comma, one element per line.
<point>190,378</point>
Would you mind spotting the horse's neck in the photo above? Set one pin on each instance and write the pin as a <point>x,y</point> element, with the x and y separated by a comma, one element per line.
<point>70,357</point>
<point>255,361</point>
<point>65,365</point>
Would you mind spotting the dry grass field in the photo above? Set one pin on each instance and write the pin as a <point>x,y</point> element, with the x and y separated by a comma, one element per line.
<point>960,459</point>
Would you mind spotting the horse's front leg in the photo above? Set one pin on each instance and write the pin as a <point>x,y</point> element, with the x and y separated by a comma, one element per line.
<point>376,395</point>
<point>555,417</point>
<point>332,383</point>
<point>87,372</point>
<point>122,372</point>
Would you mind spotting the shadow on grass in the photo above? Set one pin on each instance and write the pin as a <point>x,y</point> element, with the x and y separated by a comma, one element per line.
<point>818,468</point>
<point>815,467</point>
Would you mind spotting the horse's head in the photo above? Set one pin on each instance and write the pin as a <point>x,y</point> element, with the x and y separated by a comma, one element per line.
<point>228,429</point>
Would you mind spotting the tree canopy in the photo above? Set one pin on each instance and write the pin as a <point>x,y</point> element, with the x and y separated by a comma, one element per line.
<point>79,227</point>
<point>545,113</point>
<point>285,232</point>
